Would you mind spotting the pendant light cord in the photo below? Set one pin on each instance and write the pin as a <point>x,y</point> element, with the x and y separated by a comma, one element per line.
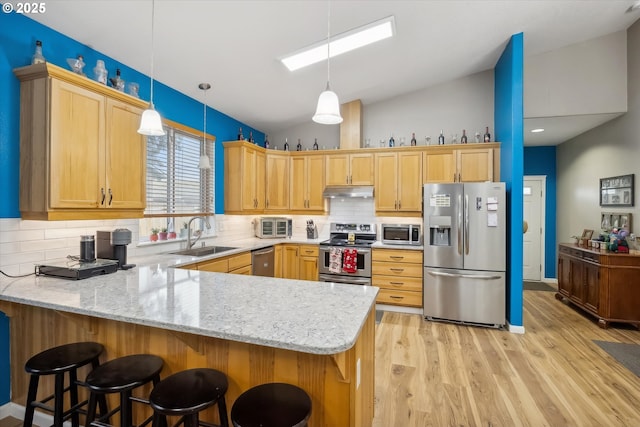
<point>153,10</point>
<point>328,41</point>
<point>204,133</point>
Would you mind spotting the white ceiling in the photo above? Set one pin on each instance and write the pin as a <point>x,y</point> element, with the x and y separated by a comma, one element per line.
<point>234,45</point>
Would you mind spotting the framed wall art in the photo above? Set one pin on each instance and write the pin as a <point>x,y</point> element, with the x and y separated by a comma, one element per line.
<point>617,191</point>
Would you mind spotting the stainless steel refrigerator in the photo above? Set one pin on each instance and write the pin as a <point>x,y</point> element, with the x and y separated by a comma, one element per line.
<point>464,253</point>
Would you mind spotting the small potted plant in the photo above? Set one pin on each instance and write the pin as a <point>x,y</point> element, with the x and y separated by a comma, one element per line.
<point>171,235</point>
<point>163,234</point>
<point>154,235</point>
<point>184,231</point>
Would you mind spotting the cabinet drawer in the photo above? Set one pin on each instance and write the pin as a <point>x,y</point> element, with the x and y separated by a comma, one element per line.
<point>405,298</point>
<point>396,269</point>
<point>246,270</point>
<point>395,255</point>
<point>216,266</point>
<point>398,283</point>
<point>240,260</point>
<point>309,250</point>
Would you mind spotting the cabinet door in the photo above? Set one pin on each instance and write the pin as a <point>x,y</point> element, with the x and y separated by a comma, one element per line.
<point>308,268</point>
<point>361,169</point>
<point>277,261</point>
<point>259,180</point>
<point>577,281</point>
<point>249,164</point>
<point>315,182</point>
<point>591,281</point>
<point>337,169</point>
<point>290,268</point>
<point>277,183</point>
<point>125,158</point>
<point>409,182</point>
<point>439,166</point>
<point>564,276</point>
<point>76,164</point>
<point>475,165</point>
<point>386,182</point>
<point>298,184</point>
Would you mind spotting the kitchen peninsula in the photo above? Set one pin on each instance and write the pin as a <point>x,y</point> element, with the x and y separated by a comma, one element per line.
<point>319,336</point>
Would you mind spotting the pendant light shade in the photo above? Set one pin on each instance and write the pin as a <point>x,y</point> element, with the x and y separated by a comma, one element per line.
<point>151,123</point>
<point>328,109</point>
<point>204,163</point>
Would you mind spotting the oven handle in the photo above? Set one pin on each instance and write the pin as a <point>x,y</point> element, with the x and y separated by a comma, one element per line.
<point>360,250</point>
<point>464,276</point>
<point>348,280</point>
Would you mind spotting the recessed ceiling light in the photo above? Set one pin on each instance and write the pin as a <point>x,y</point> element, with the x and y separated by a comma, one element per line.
<point>341,43</point>
<point>537,130</point>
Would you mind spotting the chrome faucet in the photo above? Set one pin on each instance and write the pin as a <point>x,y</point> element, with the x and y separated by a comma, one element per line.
<point>206,222</point>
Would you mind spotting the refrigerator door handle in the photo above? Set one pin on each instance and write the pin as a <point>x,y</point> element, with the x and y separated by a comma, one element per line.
<point>459,224</point>
<point>466,224</point>
<point>463,276</point>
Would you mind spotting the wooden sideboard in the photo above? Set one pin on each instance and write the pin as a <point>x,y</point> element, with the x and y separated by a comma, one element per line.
<point>604,284</point>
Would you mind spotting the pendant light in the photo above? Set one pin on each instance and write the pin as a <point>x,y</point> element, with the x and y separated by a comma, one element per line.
<point>151,123</point>
<point>328,109</point>
<point>204,159</point>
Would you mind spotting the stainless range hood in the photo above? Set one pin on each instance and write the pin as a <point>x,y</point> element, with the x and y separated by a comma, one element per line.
<point>336,191</point>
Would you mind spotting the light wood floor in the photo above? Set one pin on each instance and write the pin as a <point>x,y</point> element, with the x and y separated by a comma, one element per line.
<point>438,374</point>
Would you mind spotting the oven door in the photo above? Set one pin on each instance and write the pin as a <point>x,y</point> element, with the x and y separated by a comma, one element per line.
<point>335,278</point>
<point>363,263</point>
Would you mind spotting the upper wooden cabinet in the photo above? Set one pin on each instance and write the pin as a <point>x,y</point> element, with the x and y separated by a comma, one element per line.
<point>307,182</point>
<point>244,184</point>
<point>80,154</point>
<point>464,163</point>
<point>398,186</point>
<point>277,182</point>
<point>349,169</point>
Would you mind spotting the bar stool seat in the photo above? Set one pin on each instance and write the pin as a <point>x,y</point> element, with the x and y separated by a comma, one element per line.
<point>121,375</point>
<point>67,358</point>
<point>272,405</point>
<point>187,393</point>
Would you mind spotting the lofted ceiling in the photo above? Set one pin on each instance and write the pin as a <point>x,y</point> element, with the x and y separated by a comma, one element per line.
<point>234,45</point>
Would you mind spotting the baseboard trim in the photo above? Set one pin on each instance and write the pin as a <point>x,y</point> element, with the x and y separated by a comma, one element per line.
<point>17,411</point>
<point>514,329</point>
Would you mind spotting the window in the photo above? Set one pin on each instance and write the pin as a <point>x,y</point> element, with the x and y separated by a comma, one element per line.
<point>176,186</point>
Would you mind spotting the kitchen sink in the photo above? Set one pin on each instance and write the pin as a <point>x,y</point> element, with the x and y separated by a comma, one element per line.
<point>204,251</point>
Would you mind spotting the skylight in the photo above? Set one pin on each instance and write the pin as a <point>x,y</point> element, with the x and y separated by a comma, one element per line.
<point>341,43</point>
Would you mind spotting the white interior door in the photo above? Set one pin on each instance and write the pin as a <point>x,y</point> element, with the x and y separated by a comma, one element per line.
<point>533,239</point>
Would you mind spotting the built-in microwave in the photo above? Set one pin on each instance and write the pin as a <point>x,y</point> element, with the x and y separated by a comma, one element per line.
<point>268,227</point>
<point>401,234</point>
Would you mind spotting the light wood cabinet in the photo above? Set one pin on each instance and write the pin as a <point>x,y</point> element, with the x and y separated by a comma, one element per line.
<point>277,261</point>
<point>603,284</point>
<point>398,274</point>
<point>468,163</point>
<point>290,265</point>
<point>81,155</point>
<point>277,182</point>
<point>307,183</point>
<point>308,259</point>
<point>398,186</point>
<point>244,184</point>
<point>234,264</point>
<point>349,169</point>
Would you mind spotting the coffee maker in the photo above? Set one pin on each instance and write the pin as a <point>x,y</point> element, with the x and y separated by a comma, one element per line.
<point>113,245</point>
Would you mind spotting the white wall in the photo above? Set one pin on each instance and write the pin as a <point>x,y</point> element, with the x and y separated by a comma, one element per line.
<point>466,103</point>
<point>608,150</point>
<point>583,78</point>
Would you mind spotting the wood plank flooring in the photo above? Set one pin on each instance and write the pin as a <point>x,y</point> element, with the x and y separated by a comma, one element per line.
<point>438,374</point>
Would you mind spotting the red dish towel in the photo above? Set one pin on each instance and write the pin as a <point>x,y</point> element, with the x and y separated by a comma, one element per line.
<point>350,260</point>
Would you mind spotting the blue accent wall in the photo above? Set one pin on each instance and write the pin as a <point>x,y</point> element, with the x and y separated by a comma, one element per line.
<point>18,35</point>
<point>542,161</point>
<point>509,124</point>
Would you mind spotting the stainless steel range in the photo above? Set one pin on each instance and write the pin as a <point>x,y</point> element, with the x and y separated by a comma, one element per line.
<point>346,256</point>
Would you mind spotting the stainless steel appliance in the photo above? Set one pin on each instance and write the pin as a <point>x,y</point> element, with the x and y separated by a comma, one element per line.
<point>464,252</point>
<point>262,262</point>
<point>113,245</point>
<point>347,236</point>
<point>268,227</point>
<point>401,234</point>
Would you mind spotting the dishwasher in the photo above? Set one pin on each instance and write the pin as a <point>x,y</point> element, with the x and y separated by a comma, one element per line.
<point>262,262</point>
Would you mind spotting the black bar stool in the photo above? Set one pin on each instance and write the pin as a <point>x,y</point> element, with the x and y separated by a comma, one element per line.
<point>186,394</point>
<point>57,361</point>
<point>121,375</point>
<point>272,405</point>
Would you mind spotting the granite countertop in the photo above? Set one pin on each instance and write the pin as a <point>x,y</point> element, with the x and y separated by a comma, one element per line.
<point>310,317</point>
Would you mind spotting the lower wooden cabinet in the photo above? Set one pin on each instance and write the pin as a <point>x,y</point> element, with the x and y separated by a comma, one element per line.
<point>603,284</point>
<point>235,264</point>
<point>308,261</point>
<point>398,274</point>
